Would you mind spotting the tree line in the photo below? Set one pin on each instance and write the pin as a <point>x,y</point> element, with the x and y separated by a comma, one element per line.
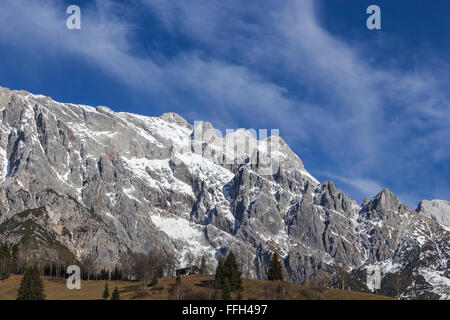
<point>137,266</point>
<point>9,262</point>
<point>228,282</point>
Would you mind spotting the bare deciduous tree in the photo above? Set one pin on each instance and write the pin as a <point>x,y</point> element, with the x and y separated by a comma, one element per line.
<point>142,268</point>
<point>126,263</point>
<point>341,273</point>
<point>189,257</point>
<point>87,267</point>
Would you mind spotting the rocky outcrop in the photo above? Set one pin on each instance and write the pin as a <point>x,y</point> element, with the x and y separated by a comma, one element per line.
<point>438,210</point>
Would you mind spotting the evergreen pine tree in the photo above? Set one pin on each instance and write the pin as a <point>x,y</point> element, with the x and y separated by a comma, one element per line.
<point>226,290</point>
<point>5,261</point>
<point>116,274</point>
<point>31,286</point>
<point>203,266</point>
<point>115,295</point>
<point>275,272</point>
<point>106,292</point>
<point>232,273</point>
<point>15,268</point>
<point>104,274</point>
<point>219,275</point>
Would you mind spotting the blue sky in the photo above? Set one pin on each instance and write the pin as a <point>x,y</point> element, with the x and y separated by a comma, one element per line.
<point>365,108</point>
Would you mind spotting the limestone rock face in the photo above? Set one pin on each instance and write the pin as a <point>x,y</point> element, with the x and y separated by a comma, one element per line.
<point>105,182</point>
<point>438,210</point>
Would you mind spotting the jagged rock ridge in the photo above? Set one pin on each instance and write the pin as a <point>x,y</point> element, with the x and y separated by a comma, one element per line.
<point>106,182</point>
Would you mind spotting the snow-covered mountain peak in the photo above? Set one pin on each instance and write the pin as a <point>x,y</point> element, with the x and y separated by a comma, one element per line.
<point>116,181</point>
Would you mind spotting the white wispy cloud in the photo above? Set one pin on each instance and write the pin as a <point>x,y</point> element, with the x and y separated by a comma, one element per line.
<point>361,115</point>
<point>363,185</point>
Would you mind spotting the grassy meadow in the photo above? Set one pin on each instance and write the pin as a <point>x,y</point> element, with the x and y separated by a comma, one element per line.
<point>193,287</point>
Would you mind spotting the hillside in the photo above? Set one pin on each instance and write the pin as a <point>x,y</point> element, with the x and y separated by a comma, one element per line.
<point>196,287</point>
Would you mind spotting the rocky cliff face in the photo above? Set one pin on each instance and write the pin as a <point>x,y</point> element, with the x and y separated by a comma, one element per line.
<point>102,182</point>
<point>438,210</point>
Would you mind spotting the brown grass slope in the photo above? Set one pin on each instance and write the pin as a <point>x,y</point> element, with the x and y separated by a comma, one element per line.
<point>193,287</point>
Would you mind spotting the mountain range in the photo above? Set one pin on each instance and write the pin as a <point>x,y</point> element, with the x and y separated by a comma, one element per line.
<point>78,180</point>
